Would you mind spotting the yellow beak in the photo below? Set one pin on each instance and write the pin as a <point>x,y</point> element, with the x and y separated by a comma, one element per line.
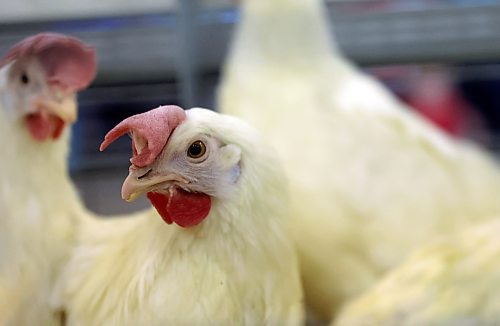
<point>66,109</point>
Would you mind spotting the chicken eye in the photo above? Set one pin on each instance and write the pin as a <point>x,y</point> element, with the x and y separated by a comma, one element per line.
<point>24,78</point>
<point>197,149</point>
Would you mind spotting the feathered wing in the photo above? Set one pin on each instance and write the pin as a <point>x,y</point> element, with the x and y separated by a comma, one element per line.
<point>369,179</point>
<point>450,281</point>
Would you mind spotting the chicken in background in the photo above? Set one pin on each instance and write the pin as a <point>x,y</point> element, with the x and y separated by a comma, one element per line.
<point>450,281</point>
<point>370,180</point>
<point>214,252</point>
<point>39,208</point>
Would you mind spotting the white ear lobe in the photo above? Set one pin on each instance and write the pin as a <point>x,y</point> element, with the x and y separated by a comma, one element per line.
<point>230,155</point>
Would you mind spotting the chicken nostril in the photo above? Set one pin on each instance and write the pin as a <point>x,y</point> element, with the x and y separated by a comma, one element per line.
<point>145,174</point>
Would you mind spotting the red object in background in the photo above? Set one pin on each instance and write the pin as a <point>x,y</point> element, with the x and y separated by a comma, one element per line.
<point>434,95</point>
<point>446,112</point>
<point>431,91</point>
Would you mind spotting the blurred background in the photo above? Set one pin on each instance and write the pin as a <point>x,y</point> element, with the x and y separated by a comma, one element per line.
<point>440,56</point>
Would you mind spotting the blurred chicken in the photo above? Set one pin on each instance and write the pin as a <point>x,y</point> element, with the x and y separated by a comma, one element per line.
<point>224,258</point>
<point>39,208</point>
<point>369,179</point>
<point>451,281</point>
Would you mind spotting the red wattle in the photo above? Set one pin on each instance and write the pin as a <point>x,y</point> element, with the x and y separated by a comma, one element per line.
<point>43,126</point>
<point>59,125</point>
<point>38,126</point>
<point>160,202</point>
<point>184,208</point>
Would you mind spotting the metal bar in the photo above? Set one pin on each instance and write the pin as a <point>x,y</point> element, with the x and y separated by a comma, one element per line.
<point>146,48</point>
<point>187,61</point>
<point>444,34</point>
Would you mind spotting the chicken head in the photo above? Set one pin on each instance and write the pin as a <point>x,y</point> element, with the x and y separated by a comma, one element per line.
<point>179,161</point>
<point>41,76</point>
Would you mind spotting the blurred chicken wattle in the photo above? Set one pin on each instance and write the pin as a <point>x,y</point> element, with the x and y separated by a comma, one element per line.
<point>43,126</point>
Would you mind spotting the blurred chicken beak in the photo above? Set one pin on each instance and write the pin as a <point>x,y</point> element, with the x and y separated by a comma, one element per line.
<point>64,109</point>
<point>140,181</point>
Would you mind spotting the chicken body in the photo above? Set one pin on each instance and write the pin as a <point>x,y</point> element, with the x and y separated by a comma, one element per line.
<point>369,180</point>
<point>38,212</point>
<point>39,208</point>
<point>451,281</point>
<point>236,267</point>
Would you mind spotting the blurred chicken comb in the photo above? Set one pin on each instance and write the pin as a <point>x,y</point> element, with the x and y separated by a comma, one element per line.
<point>69,63</point>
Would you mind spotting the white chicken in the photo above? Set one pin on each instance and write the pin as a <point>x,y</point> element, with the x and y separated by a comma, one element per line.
<point>225,258</point>
<point>452,281</point>
<point>39,208</point>
<point>369,179</point>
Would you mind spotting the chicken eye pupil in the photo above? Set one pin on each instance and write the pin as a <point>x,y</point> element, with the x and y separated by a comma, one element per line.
<point>24,78</point>
<point>197,149</point>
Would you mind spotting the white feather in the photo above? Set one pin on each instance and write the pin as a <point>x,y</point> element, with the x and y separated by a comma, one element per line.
<point>452,280</point>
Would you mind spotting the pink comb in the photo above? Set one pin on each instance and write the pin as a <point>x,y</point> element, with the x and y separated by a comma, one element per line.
<point>150,132</point>
<point>68,62</point>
